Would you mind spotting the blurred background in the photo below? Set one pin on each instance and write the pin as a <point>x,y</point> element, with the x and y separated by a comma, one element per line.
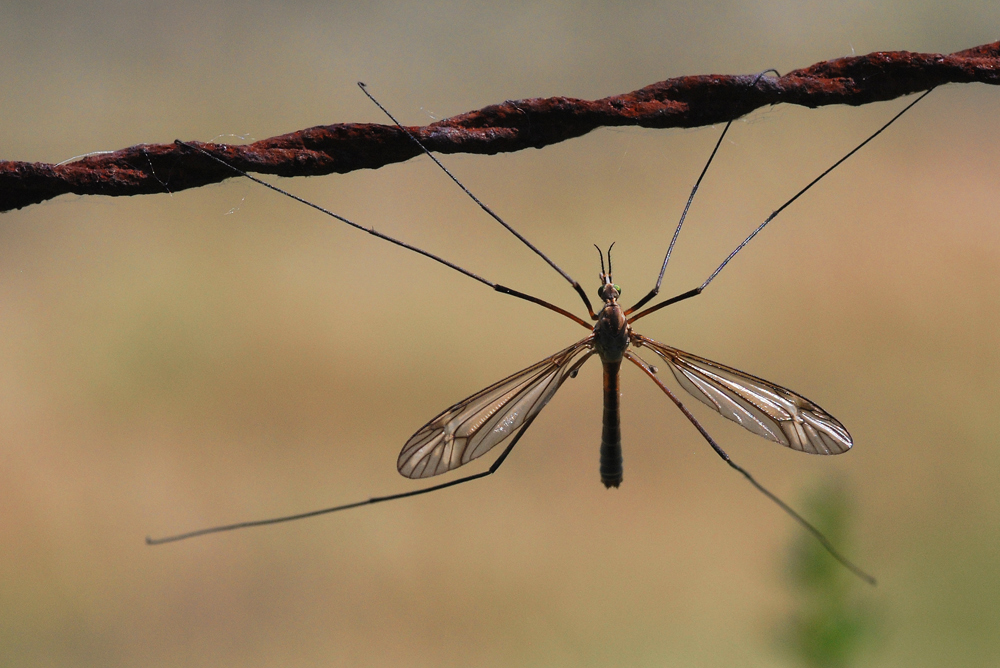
<point>171,362</point>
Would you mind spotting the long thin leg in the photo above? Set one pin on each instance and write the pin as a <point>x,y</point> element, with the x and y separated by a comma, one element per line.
<point>576,286</point>
<point>376,499</point>
<point>677,232</point>
<point>817,534</point>
<point>774,214</point>
<point>496,286</point>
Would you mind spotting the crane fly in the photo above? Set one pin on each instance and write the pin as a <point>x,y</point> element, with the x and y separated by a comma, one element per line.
<point>506,409</point>
<point>472,427</point>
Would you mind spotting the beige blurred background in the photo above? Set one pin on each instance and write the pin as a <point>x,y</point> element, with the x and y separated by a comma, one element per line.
<point>175,361</point>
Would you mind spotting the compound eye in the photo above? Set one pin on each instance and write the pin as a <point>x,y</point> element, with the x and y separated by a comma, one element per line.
<point>600,292</point>
<point>617,289</point>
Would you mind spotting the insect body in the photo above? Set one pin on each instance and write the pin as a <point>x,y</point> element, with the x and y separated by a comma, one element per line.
<point>611,340</point>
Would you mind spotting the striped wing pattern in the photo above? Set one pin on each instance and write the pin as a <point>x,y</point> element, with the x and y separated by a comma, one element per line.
<point>766,409</point>
<point>470,428</point>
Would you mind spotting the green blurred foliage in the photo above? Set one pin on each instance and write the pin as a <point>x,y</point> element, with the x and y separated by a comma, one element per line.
<point>831,625</point>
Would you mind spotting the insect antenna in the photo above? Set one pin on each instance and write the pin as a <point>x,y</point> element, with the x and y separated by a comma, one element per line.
<point>372,231</point>
<point>576,286</point>
<point>774,214</point>
<point>600,254</point>
<point>817,534</point>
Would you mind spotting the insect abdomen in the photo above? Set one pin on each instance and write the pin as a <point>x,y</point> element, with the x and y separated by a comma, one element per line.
<point>611,433</point>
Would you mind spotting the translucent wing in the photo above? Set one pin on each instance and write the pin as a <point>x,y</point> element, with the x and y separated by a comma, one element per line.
<point>470,428</point>
<point>766,409</point>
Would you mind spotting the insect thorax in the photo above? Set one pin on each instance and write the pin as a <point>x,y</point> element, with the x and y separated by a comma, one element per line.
<point>611,333</point>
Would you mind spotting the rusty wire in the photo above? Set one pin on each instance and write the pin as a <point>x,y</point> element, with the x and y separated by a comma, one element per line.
<point>689,101</point>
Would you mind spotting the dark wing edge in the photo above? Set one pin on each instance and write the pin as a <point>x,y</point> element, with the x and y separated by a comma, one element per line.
<point>758,405</point>
<point>473,426</point>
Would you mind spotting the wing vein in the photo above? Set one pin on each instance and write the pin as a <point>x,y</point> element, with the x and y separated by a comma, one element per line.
<point>473,426</point>
<point>760,406</point>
